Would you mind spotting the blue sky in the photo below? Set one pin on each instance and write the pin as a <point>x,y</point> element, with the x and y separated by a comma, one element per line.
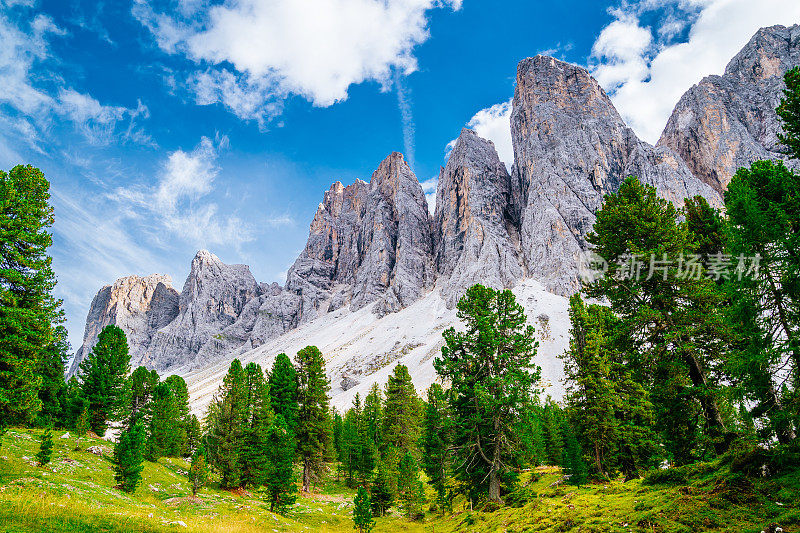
<point>170,126</point>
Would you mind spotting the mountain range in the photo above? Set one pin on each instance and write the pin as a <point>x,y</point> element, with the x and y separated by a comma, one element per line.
<point>379,277</point>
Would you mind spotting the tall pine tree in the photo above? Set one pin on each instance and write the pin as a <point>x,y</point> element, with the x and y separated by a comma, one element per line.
<point>226,423</point>
<point>313,424</point>
<point>103,374</point>
<point>492,374</point>
<point>283,390</point>
<point>28,311</point>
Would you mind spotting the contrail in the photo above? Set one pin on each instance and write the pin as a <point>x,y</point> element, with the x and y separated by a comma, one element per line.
<point>407,119</point>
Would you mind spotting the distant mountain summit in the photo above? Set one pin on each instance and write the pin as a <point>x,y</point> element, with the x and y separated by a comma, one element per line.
<point>374,250</point>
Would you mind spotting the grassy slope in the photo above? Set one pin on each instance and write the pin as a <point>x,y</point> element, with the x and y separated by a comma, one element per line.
<point>75,493</point>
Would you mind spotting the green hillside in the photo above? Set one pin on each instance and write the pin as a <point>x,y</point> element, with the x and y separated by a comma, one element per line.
<point>76,493</point>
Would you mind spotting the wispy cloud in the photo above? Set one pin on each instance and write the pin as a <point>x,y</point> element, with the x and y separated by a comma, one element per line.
<point>406,118</point>
<point>177,204</point>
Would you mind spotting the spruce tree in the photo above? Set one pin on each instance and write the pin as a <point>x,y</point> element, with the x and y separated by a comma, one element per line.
<point>253,455</point>
<point>573,464</point>
<point>53,390</point>
<point>436,443</point>
<point>492,375</point>
<point>313,423</point>
<point>789,113</point>
<point>279,477</point>
<point>128,457</point>
<point>362,513</point>
<point>198,470</point>
<point>349,445</point>
<point>552,422</point>
<point>181,394</point>
<point>103,374</point>
<point>381,495</point>
<point>194,434</point>
<point>226,422</point>
<point>164,430</point>
<point>531,435</point>
<point>283,390</point>
<point>45,447</point>
<point>28,311</point>
<point>410,490</point>
<point>373,416</point>
<point>402,417</point>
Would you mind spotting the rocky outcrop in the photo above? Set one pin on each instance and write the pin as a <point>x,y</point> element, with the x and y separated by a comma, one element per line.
<point>212,299</point>
<point>368,242</point>
<point>138,305</point>
<point>729,121</point>
<point>570,148</point>
<point>476,240</point>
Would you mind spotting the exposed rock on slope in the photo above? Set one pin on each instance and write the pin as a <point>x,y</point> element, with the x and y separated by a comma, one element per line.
<point>729,121</point>
<point>570,148</point>
<point>476,240</point>
<point>138,305</point>
<point>213,297</point>
<point>368,241</point>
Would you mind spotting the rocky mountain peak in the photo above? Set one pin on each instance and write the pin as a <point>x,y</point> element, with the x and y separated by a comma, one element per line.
<point>570,148</point>
<point>475,238</point>
<point>138,305</point>
<point>727,122</point>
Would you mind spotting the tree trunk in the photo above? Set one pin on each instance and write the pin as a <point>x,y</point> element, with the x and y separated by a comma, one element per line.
<point>597,460</point>
<point>306,476</point>
<point>494,478</point>
<point>709,404</point>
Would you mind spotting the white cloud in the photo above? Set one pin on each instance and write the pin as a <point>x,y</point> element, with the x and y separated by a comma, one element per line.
<point>407,119</point>
<point>176,203</point>
<point>279,47</point>
<point>429,188</point>
<point>646,76</point>
<point>494,123</point>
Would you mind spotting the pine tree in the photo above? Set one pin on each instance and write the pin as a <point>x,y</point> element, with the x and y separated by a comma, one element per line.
<point>283,390</point>
<point>28,311</point>
<point>362,513</point>
<point>181,394</point>
<point>531,435</point>
<point>764,221</point>
<point>492,375</point>
<point>139,394</point>
<point>280,477</point>
<point>349,445</point>
<point>81,427</point>
<point>128,457</point>
<point>194,434</point>
<point>373,416</point>
<point>45,448</point>
<point>164,430</point>
<point>313,424</point>
<point>381,497</point>
<point>53,390</point>
<point>198,470</point>
<point>74,403</point>
<point>225,421</point>
<point>671,319</point>
<point>410,490</point>
<point>789,113</point>
<point>103,374</point>
<point>573,464</point>
<point>436,443</point>
<point>552,422</point>
<point>254,453</point>
<point>402,417</point>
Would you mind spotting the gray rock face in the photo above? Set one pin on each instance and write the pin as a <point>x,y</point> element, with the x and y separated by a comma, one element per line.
<point>729,121</point>
<point>570,148</point>
<point>138,305</point>
<point>212,299</point>
<point>476,240</point>
<point>368,242</point>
